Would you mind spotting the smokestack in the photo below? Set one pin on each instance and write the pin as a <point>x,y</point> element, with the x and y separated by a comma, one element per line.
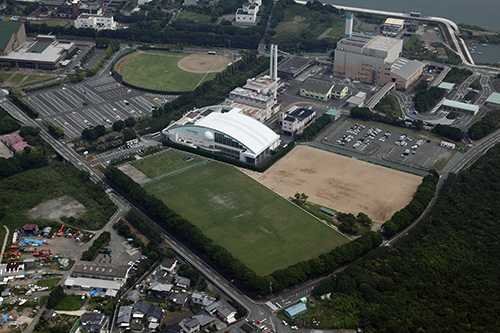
<point>275,76</point>
<point>348,25</point>
<point>271,60</point>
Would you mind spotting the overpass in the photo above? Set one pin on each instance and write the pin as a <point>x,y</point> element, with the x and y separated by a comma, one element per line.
<point>380,94</point>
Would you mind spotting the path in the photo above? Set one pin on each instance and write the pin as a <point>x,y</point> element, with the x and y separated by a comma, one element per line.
<point>5,239</point>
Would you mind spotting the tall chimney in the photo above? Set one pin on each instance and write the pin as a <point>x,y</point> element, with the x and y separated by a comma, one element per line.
<point>275,76</point>
<point>348,25</point>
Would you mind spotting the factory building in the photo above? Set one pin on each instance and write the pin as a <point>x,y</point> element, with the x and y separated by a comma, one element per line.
<point>258,97</point>
<point>224,130</point>
<point>375,60</point>
<point>317,88</point>
<point>392,27</point>
<point>293,67</point>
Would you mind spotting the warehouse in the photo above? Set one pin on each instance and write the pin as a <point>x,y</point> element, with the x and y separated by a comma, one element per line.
<point>224,130</point>
<point>296,310</point>
<point>292,67</point>
<point>317,88</point>
<point>99,271</point>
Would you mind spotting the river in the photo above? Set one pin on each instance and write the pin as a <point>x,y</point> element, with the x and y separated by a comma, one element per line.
<point>483,13</point>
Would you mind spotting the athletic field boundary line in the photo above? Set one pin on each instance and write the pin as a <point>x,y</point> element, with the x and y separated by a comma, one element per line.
<point>176,172</point>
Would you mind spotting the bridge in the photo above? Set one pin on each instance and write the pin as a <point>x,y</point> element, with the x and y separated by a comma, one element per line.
<point>379,95</point>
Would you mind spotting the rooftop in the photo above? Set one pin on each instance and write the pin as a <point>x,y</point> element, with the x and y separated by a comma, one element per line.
<point>301,113</point>
<point>382,42</point>
<point>317,85</point>
<point>294,64</point>
<point>296,309</point>
<point>7,28</point>
<point>494,98</point>
<point>446,85</point>
<point>394,21</point>
<point>50,54</point>
<point>406,68</point>
<point>89,283</point>
<point>461,105</point>
<point>100,270</point>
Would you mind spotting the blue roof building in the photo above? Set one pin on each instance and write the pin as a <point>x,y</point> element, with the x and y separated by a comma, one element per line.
<point>296,310</point>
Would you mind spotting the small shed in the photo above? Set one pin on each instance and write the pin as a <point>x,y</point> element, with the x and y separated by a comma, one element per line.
<point>296,310</point>
<point>30,229</point>
<point>335,114</point>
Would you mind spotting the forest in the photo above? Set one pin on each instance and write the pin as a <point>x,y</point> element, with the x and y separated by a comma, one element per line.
<point>443,276</point>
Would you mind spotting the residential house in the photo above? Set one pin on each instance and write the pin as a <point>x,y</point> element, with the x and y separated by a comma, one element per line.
<point>190,325</point>
<point>223,310</point>
<point>204,318</point>
<point>124,314</point>
<point>94,322</point>
<point>182,282</point>
<point>169,265</point>
<point>179,298</point>
<point>136,325</point>
<point>154,314</point>
<point>201,299</point>
<point>160,290</point>
<point>140,309</point>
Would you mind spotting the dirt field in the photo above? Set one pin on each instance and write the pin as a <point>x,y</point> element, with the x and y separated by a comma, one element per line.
<point>203,63</point>
<point>57,208</point>
<point>341,183</point>
<point>133,173</point>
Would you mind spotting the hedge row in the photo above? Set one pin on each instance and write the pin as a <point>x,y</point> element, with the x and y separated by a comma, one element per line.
<point>260,168</point>
<point>404,217</point>
<point>315,128</point>
<point>22,104</point>
<point>100,242</point>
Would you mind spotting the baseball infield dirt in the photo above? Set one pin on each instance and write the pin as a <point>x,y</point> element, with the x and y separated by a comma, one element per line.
<point>203,63</point>
<point>341,183</point>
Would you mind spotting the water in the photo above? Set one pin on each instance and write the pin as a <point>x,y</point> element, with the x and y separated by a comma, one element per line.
<point>490,54</point>
<point>483,13</point>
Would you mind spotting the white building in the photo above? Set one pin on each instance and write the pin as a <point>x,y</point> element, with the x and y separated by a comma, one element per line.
<point>224,130</point>
<point>248,13</point>
<point>295,120</point>
<point>96,22</point>
<point>392,26</point>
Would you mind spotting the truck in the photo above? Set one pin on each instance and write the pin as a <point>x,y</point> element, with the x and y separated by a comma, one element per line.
<point>105,251</point>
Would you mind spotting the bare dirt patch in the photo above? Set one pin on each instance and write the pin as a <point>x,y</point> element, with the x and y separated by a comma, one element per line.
<point>4,151</point>
<point>57,208</point>
<point>341,183</point>
<point>133,173</point>
<point>203,63</point>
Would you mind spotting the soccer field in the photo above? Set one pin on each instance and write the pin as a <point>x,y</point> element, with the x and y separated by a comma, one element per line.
<point>262,229</point>
<point>159,71</point>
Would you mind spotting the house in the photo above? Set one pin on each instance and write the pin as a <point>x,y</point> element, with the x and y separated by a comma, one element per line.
<point>204,318</point>
<point>154,314</point>
<point>179,298</point>
<point>168,265</point>
<point>223,310</point>
<point>30,229</point>
<point>159,290</point>
<point>201,299</point>
<point>182,282</point>
<point>140,309</point>
<point>190,325</point>
<point>124,314</point>
<point>93,322</point>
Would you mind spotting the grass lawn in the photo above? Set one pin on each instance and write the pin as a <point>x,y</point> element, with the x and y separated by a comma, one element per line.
<point>22,192</point>
<point>70,303</point>
<point>5,76</point>
<point>17,78</point>
<point>37,78</point>
<point>262,229</point>
<point>166,162</point>
<point>193,16</point>
<point>158,70</point>
<point>52,23</point>
<point>50,282</point>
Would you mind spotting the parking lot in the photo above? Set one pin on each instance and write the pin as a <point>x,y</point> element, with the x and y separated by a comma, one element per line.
<point>390,143</point>
<point>96,102</point>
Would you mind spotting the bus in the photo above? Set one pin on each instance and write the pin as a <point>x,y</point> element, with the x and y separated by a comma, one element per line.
<point>212,52</point>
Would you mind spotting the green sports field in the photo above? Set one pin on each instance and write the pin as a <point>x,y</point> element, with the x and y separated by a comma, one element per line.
<point>163,163</point>
<point>158,70</point>
<point>263,230</point>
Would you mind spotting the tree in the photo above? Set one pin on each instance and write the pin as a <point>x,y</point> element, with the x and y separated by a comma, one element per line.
<point>55,296</point>
<point>118,125</point>
<point>303,197</point>
<point>130,122</point>
<point>364,219</point>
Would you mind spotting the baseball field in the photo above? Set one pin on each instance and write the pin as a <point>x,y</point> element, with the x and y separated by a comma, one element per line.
<point>167,71</point>
<point>259,227</point>
<point>341,183</point>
